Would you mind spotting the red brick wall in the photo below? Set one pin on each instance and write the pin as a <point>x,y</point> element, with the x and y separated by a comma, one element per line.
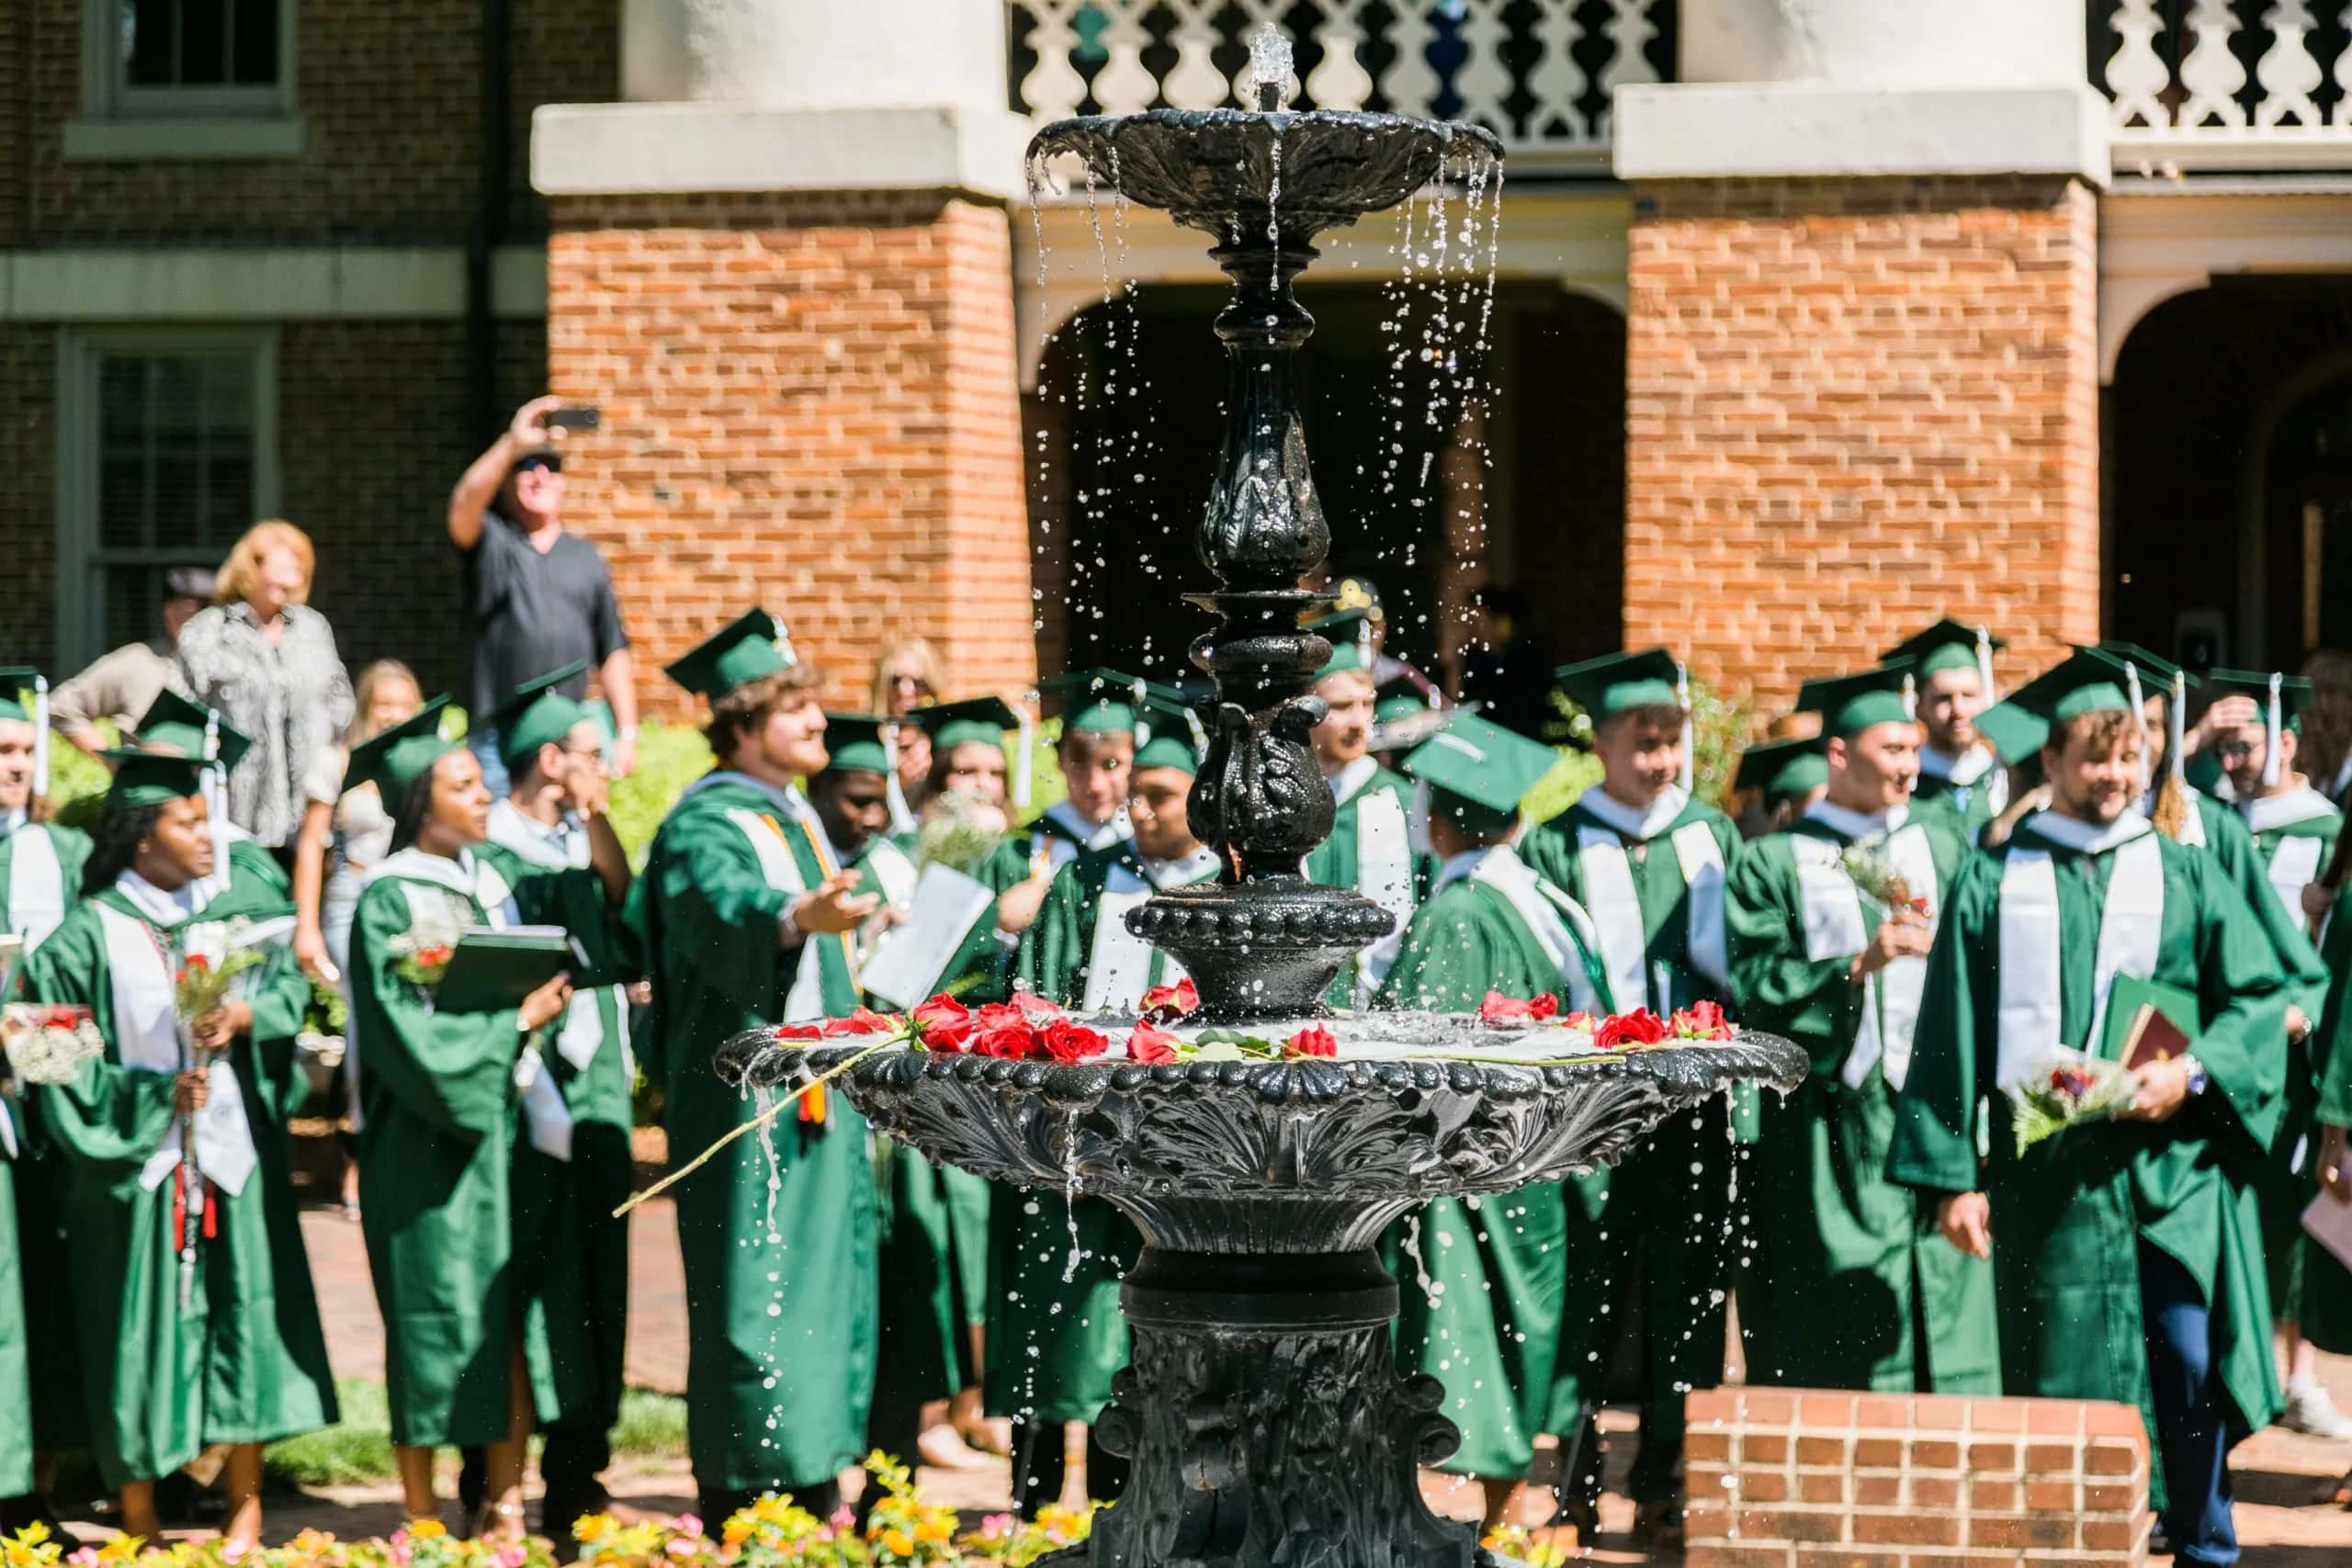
<point>1782,1477</point>
<point>809,403</point>
<point>1852,406</point>
<point>392,95</point>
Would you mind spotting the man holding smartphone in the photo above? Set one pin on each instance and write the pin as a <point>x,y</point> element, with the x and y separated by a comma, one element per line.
<point>540,597</point>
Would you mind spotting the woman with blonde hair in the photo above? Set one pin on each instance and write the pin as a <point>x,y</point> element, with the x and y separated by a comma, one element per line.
<point>908,674</point>
<point>266,662</point>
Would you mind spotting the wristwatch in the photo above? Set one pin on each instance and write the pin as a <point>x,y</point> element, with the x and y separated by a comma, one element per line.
<point>2199,1079</point>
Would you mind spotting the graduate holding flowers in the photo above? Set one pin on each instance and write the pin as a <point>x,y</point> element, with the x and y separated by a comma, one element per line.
<point>193,1311</point>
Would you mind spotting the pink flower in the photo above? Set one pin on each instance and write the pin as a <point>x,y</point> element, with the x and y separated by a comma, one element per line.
<point>1639,1027</point>
<point>1313,1041</point>
<point>1150,1044</point>
<point>687,1524</point>
<point>844,1518</point>
<point>1067,1043</point>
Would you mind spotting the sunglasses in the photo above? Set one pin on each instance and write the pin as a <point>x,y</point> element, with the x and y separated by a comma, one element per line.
<point>2236,748</point>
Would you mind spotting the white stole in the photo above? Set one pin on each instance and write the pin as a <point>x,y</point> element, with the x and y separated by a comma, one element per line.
<point>1385,875</point>
<point>1559,924</point>
<point>1118,963</point>
<point>778,868</point>
<point>36,885</point>
<point>1834,929</point>
<point>566,848</point>
<point>147,1040</point>
<point>1605,865</point>
<point>2029,1018</point>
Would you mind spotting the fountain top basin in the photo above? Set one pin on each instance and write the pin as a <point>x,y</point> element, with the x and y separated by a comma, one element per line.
<point>1220,169</point>
<point>1337,1145</point>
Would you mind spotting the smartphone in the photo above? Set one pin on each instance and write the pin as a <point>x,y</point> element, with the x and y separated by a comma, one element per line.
<point>585,416</point>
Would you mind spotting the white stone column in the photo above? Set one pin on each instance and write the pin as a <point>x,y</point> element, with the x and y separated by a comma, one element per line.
<point>794,95</point>
<point>1863,87</point>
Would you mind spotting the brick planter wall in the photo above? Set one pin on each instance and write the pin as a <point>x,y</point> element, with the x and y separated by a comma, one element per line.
<point>1783,1477</point>
<point>1852,405</point>
<point>809,403</point>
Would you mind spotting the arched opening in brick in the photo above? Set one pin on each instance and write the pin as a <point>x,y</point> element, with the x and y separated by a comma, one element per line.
<point>1122,437</point>
<point>2228,470</point>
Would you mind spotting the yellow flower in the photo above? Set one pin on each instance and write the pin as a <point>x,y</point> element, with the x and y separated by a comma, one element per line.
<point>428,1529</point>
<point>589,1527</point>
<point>897,1542</point>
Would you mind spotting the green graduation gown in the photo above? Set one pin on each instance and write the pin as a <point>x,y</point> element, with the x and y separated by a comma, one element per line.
<point>2068,1214</point>
<point>1667,1231</point>
<point>2292,835</point>
<point>571,1254</point>
<point>15,1372</point>
<point>1484,1279</point>
<point>1848,1265</point>
<point>781,1284</point>
<point>441,1119</point>
<point>934,1259</point>
<point>1056,1332</point>
<point>245,1360</point>
<point>40,877</point>
<point>1966,807</point>
<point>1369,849</point>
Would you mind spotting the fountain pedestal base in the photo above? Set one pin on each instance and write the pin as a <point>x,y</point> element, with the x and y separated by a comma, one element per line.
<point>1267,1422</point>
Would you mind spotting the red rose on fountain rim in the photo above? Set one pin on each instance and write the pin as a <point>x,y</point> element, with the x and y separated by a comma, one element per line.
<point>1313,1041</point>
<point>1701,1020</point>
<point>1009,1043</point>
<point>1033,1008</point>
<point>800,1032</point>
<point>1171,1001</point>
<point>1639,1027</point>
<point>864,1020</point>
<point>1151,1046</point>
<point>1496,1008</point>
<point>1067,1042</point>
<point>1577,1020</point>
<point>943,1025</point>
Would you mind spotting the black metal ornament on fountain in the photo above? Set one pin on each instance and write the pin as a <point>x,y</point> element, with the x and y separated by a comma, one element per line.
<point>1261,1406</point>
<point>1263,942</point>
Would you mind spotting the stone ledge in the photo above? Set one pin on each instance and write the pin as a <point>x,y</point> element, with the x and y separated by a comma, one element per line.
<point>1713,131</point>
<point>654,148</point>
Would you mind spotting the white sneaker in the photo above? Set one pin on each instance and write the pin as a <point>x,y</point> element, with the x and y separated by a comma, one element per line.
<point>2311,1411</point>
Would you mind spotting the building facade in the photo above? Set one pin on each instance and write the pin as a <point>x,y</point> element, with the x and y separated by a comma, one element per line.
<point>1803,321</point>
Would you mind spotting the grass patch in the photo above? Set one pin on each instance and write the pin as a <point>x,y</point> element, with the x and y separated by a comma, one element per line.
<point>360,1450</point>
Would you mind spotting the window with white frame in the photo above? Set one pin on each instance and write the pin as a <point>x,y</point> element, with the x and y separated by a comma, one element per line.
<point>167,451</point>
<point>186,79</point>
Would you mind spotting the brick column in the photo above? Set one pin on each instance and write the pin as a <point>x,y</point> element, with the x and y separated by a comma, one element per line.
<point>810,402</point>
<point>1853,405</point>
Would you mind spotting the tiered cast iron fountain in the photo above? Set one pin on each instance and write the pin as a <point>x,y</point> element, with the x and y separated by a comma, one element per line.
<point>1263,1409</point>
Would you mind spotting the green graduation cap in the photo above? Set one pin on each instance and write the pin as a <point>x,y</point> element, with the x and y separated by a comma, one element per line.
<point>2086,682</point>
<point>1783,770</point>
<point>152,778</point>
<point>174,723</point>
<point>1947,645</point>
<point>1617,682</point>
<point>951,724</point>
<point>395,759</point>
<point>1102,701</point>
<point>1851,704</point>
<point>537,715</point>
<point>1351,636</point>
<point>2013,733</point>
<point>854,744</point>
<point>747,648</point>
<point>14,682</point>
<point>2155,670</point>
<point>1172,730</point>
<point>1479,772</point>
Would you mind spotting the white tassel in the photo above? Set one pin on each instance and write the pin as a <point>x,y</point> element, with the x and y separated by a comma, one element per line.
<point>783,648</point>
<point>1143,714</point>
<point>40,737</point>
<point>1990,693</point>
<point>1910,699</point>
<point>216,797</point>
<point>1200,731</point>
<point>902,815</point>
<point>1023,765</point>
<point>2271,727</point>
<point>2175,728</point>
<point>2138,722</point>
<point>1682,695</point>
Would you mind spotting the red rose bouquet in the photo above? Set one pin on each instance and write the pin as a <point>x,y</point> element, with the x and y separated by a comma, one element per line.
<point>48,1045</point>
<point>1639,1027</point>
<point>2065,1089</point>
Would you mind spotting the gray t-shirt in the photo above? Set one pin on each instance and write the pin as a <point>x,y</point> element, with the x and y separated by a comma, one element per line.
<point>535,612</point>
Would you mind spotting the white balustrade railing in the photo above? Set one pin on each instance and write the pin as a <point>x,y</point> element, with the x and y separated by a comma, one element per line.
<point>1540,74</point>
<point>2175,73</point>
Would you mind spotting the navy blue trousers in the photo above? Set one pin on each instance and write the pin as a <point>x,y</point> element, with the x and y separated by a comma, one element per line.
<point>2193,1435</point>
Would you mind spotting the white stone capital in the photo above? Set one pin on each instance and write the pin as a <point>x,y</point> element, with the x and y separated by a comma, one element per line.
<point>1728,129</point>
<point>662,147</point>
